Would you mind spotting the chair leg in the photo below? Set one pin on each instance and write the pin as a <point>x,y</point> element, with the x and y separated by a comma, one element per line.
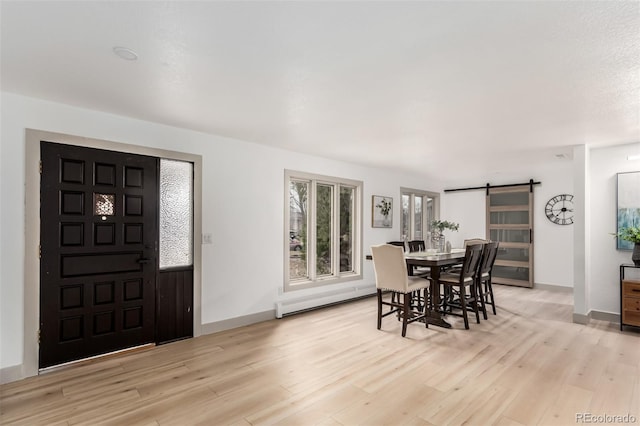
<point>405,312</point>
<point>480,294</point>
<point>427,304</point>
<point>379,309</point>
<point>463,304</point>
<point>474,297</point>
<point>493,301</point>
<point>395,298</point>
<point>418,300</point>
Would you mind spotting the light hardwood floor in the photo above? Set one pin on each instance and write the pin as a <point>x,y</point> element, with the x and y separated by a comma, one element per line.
<point>528,365</point>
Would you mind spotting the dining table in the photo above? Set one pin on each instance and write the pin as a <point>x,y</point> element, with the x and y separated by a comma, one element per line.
<point>436,262</point>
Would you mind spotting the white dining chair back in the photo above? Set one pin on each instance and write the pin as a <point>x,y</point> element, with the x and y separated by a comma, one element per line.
<point>390,268</point>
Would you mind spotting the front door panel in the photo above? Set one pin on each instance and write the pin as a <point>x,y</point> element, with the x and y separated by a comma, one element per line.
<point>98,263</point>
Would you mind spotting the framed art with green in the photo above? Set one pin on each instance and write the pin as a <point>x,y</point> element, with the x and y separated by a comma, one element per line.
<point>628,208</point>
<point>381,211</point>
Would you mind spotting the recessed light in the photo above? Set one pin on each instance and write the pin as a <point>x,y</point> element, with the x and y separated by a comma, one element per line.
<point>125,53</point>
<point>633,157</point>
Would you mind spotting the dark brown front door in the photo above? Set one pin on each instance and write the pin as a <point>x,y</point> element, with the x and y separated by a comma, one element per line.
<point>98,264</point>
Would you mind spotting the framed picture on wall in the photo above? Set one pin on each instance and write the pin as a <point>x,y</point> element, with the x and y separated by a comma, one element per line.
<point>628,205</point>
<point>382,211</point>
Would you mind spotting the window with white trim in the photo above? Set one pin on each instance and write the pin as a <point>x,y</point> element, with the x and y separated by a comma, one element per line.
<point>418,208</point>
<point>323,241</point>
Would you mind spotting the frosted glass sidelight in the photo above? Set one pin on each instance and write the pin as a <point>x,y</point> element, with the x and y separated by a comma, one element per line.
<point>176,213</point>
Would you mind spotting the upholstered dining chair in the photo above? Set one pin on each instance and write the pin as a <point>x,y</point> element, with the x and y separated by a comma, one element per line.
<point>396,243</point>
<point>484,288</point>
<point>391,277</point>
<point>471,241</point>
<point>416,245</point>
<point>460,288</point>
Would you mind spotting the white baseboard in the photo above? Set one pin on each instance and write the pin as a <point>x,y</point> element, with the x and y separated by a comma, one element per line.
<point>552,287</point>
<point>228,324</point>
<point>605,316</point>
<point>11,374</point>
<point>596,315</point>
<point>581,319</point>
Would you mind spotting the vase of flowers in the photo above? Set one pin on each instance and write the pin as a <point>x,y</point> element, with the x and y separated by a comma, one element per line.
<point>632,234</point>
<point>438,227</point>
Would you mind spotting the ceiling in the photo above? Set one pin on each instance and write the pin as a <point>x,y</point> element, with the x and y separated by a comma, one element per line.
<point>438,88</point>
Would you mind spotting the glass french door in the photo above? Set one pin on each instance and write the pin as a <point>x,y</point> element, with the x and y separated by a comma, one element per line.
<point>510,222</point>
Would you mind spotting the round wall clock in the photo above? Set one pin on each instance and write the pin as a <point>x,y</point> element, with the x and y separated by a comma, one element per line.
<point>559,209</point>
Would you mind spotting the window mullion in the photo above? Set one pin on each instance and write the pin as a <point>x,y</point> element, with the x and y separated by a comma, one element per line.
<point>311,230</point>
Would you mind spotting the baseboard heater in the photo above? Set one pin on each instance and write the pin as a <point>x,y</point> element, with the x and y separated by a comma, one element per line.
<point>319,300</point>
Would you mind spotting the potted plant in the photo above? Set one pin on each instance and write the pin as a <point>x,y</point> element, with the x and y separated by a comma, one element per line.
<point>632,234</point>
<point>437,229</point>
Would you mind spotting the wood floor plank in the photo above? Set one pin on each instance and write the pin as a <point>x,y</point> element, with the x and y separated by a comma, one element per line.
<point>485,409</point>
<point>506,421</point>
<point>528,365</point>
<point>322,409</point>
<point>616,389</point>
<point>569,401</point>
<point>394,404</point>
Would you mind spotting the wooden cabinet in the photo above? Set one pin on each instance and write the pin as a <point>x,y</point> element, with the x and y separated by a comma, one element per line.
<point>629,299</point>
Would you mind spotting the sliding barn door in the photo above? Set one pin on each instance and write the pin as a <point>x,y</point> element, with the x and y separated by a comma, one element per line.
<point>510,222</point>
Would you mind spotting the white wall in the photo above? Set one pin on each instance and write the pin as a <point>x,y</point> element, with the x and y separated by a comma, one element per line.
<point>604,265</point>
<point>468,209</point>
<point>243,201</point>
<point>553,244</point>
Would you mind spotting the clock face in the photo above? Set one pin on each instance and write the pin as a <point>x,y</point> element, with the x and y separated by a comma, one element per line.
<point>559,209</point>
